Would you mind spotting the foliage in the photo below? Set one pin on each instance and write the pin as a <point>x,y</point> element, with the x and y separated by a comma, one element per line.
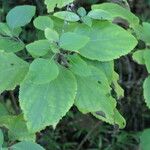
<point>69,63</point>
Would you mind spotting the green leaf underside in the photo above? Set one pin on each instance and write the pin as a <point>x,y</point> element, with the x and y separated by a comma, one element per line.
<point>52,99</point>
<point>38,48</point>
<point>78,66</point>
<point>146,87</point>
<point>138,56</point>
<point>17,128</point>
<point>147,59</point>
<point>26,145</point>
<point>117,11</point>
<point>92,95</point>
<point>20,16</point>
<point>73,41</point>
<point>51,4</point>
<point>107,41</point>
<point>144,139</point>
<point>67,15</point>
<point>11,45</point>
<point>43,22</point>
<point>42,71</point>
<point>100,14</point>
<point>13,69</point>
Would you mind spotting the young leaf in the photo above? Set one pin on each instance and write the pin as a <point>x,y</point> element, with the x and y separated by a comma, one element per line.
<point>17,129</point>
<point>49,102</point>
<point>78,66</point>
<point>73,41</point>
<point>20,16</point>
<point>81,11</point>
<point>146,88</point>
<point>42,71</point>
<point>117,11</point>
<point>87,20</point>
<point>43,22</point>
<point>26,145</point>
<point>107,41</point>
<point>11,45</point>
<point>67,15</point>
<point>100,14</point>
<point>13,69</point>
<point>51,35</point>
<point>51,4</point>
<point>38,48</point>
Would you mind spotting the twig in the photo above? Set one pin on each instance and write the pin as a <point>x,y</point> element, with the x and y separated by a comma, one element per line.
<point>13,101</point>
<point>87,136</point>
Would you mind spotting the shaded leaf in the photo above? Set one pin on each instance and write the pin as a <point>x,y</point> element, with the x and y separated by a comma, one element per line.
<point>20,15</point>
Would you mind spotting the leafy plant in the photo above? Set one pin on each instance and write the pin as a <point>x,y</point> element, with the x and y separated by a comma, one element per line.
<point>72,63</point>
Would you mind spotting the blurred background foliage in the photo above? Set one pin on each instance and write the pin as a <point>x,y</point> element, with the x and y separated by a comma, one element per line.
<point>83,132</point>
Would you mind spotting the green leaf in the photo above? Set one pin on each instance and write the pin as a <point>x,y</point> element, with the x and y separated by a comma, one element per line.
<point>118,89</point>
<point>1,138</point>
<point>67,15</point>
<point>100,14</point>
<point>146,59</point>
<point>3,110</point>
<point>51,4</point>
<point>107,41</point>
<point>11,45</point>
<point>20,16</point>
<point>143,32</point>
<point>93,93</point>
<point>38,48</point>
<point>146,88</point>
<point>43,22</point>
<point>81,11</point>
<point>117,11</point>
<point>42,71</point>
<point>26,146</point>
<point>51,35</point>
<point>13,70</point>
<point>78,66</point>
<point>138,56</point>
<point>73,41</point>
<point>117,118</point>
<point>6,31</point>
<point>144,140</point>
<point>17,128</point>
<point>52,99</point>
<point>87,20</point>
